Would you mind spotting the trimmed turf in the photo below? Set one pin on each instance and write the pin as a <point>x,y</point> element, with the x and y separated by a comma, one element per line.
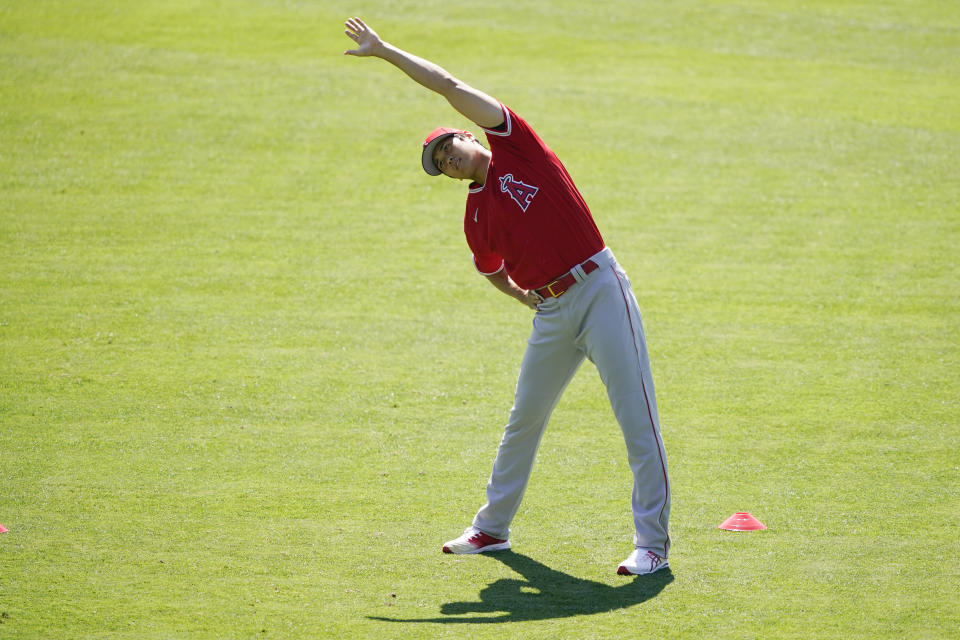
<point>250,382</point>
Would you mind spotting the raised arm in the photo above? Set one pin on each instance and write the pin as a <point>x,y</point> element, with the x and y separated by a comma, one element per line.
<point>475,105</point>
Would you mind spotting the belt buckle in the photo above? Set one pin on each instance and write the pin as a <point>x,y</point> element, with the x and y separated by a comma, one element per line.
<point>549,289</point>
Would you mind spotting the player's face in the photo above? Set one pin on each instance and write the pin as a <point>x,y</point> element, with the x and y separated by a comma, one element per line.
<point>456,157</point>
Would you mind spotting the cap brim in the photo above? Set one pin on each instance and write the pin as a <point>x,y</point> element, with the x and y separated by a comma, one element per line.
<point>427,158</point>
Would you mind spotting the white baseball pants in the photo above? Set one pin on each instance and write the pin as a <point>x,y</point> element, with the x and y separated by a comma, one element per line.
<point>597,318</point>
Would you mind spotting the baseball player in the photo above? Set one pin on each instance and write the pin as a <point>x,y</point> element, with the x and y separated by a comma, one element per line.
<point>534,238</point>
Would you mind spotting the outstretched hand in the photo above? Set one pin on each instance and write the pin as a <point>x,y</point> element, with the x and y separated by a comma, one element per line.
<point>366,38</point>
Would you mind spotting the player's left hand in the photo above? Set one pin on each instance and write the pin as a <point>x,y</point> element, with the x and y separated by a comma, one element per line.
<point>531,298</point>
<point>367,39</point>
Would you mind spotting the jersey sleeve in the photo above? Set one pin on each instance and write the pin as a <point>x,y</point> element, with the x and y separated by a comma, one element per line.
<point>485,259</point>
<point>488,264</point>
<point>515,136</point>
<point>506,127</point>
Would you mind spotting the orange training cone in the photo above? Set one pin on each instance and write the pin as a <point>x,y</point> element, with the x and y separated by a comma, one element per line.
<point>2,529</point>
<point>741,521</point>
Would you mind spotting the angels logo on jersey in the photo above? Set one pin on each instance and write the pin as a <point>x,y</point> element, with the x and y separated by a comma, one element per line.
<point>521,193</point>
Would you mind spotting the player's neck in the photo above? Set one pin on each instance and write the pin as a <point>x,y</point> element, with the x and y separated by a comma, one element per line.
<point>483,165</point>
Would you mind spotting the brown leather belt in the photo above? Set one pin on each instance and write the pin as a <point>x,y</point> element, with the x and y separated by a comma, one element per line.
<point>559,286</point>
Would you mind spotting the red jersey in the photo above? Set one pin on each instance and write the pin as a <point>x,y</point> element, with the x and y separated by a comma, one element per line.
<point>528,217</point>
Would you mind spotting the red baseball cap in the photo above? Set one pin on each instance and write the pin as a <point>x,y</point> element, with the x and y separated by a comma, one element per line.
<point>436,136</point>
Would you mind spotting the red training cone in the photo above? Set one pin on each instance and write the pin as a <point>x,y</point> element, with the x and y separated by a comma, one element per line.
<point>741,521</point>
<point>2,529</point>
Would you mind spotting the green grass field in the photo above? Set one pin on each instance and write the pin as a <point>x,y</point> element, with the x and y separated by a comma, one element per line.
<point>250,380</point>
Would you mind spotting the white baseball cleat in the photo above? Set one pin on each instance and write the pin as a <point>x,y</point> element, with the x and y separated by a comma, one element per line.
<point>641,563</point>
<point>475,541</point>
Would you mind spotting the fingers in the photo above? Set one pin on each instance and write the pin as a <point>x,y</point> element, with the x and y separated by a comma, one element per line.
<point>532,299</point>
<point>356,25</point>
<point>359,32</point>
<point>352,30</point>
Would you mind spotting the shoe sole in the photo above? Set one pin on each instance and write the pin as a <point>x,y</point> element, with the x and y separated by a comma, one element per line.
<point>623,571</point>
<point>490,547</point>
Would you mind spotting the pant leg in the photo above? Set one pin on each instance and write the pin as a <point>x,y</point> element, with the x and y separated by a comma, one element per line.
<point>549,363</point>
<point>612,335</point>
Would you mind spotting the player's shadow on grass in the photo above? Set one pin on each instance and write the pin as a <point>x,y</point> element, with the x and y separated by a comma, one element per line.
<point>544,594</point>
